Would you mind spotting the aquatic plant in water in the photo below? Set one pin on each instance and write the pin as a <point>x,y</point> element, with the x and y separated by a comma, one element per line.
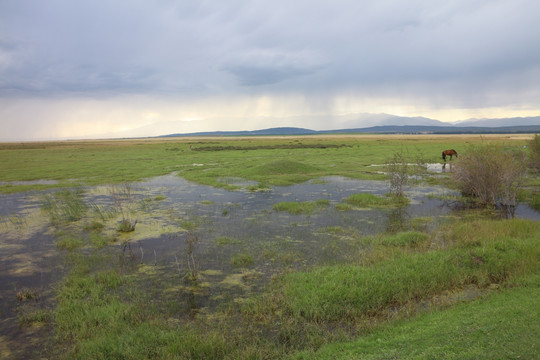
<point>192,239</point>
<point>122,195</point>
<point>64,206</point>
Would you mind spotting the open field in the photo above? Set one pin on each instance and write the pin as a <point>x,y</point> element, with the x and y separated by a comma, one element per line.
<point>261,248</point>
<point>56,164</point>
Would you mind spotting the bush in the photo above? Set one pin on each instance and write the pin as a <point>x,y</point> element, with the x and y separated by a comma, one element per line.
<point>398,174</point>
<point>491,174</point>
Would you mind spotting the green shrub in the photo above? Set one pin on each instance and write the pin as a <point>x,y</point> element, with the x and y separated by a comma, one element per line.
<point>490,174</point>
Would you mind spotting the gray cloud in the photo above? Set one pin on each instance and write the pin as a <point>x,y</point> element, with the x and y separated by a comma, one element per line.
<point>88,46</point>
<point>448,53</point>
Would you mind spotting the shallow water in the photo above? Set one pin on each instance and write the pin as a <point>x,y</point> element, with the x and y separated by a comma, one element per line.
<point>242,241</point>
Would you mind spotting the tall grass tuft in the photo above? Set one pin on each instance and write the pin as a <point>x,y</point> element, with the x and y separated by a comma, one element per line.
<point>64,206</point>
<point>123,196</point>
<point>191,241</point>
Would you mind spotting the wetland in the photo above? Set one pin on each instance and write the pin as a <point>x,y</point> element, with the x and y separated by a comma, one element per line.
<point>200,248</point>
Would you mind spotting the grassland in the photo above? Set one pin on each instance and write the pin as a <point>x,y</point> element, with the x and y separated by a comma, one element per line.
<point>466,290</point>
<point>266,160</point>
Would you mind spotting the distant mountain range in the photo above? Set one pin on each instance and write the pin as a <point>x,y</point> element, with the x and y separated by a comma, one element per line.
<point>390,124</point>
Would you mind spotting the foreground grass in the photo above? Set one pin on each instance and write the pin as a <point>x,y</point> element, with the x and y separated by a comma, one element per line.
<point>105,312</point>
<point>491,253</point>
<point>505,325</point>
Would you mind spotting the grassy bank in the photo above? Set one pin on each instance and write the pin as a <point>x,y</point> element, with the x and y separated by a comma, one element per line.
<point>346,292</point>
<point>504,325</point>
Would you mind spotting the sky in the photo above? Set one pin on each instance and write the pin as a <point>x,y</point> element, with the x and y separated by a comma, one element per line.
<point>74,69</point>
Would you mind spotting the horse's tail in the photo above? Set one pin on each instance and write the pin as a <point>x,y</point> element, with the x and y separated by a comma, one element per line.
<point>443,156</point>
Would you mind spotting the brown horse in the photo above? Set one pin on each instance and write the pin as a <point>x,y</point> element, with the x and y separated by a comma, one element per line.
<point>450,153</point>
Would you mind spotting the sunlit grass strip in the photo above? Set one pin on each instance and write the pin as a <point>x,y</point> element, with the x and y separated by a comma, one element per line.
<point>342,292</point>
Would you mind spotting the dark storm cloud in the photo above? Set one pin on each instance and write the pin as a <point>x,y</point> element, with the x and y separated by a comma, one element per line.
<point>454,49</point>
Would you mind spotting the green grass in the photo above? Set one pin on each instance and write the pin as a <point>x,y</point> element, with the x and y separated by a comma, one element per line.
<point>345,292</point>
<point>304,207</point>
<point>116,161</point>
<point>64,206</point>
<point>366,200</point>
<point>242,260</point>
<point>225,240</point>
<point>505,325</point>
<point>69,243</point>
<point>32,317</point>
<point>408,238</point>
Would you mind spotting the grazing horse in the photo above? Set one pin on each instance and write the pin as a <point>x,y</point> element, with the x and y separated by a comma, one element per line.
<point>450,153</point>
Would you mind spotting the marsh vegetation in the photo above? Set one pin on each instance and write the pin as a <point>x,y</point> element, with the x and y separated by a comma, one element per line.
<point>303,252</point>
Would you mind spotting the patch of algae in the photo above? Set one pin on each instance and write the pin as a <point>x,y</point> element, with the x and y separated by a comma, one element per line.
<point>211,272</point>
<point>200,287</point>
<point>147,269</point>
<point>240,280</point>
<point>148,226</point>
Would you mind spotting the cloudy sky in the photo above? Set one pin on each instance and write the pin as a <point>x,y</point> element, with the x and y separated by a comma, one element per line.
<point>75,69</point>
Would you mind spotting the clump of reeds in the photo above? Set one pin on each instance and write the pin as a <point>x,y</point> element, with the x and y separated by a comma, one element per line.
<point>123,197</point>
<point>192,238</point>
<point>64,206</point>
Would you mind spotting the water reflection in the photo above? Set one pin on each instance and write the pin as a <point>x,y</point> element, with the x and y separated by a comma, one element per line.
<point>439,168</point>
